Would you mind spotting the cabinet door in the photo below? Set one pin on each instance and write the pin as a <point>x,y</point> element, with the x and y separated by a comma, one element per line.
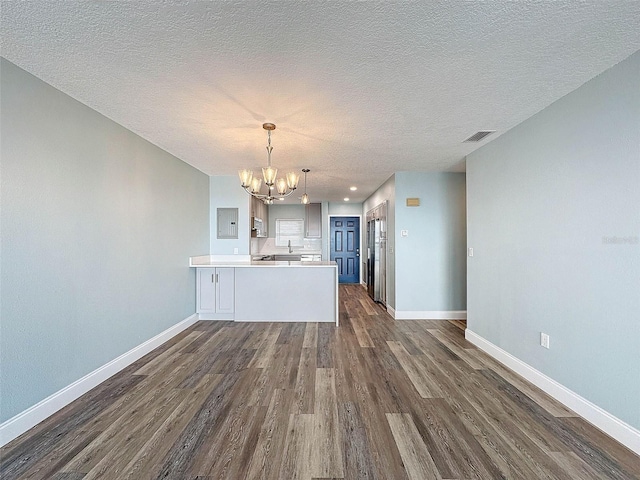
<point>206,301</point>
<point>313,220</point>
<point>225,290</point>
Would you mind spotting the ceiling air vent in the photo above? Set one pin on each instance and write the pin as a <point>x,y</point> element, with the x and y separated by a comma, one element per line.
<point>476,137</point>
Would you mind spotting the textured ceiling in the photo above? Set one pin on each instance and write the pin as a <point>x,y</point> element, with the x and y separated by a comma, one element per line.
<point>358,90</point>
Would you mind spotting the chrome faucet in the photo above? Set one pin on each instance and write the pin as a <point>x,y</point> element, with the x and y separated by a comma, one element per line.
<point>289,245</point>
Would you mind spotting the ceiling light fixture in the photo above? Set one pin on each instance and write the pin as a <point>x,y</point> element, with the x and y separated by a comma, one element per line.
<point>284,187</point>
<point>305,197</point>
<point>346,199</point>
<point>353,189</point>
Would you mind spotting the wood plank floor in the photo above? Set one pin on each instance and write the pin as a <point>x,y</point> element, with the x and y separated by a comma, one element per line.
<point>372,399</point>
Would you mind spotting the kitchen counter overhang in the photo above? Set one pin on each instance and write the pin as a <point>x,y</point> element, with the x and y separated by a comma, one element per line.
<point>265,291</point>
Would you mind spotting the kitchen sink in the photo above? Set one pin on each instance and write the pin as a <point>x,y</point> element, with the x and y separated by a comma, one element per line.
<point>286,258</point>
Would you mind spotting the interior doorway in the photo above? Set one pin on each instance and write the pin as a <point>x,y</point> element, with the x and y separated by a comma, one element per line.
<point>345,247</point>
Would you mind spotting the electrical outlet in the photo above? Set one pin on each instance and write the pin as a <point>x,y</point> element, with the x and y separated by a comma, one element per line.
<point>235,251</point>
<point>471,251</point>
<point>544,340</point>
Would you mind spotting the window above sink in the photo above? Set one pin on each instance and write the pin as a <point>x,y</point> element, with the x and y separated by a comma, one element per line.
<point>289,230</point>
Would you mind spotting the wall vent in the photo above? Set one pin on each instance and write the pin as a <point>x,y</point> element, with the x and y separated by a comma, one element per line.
<point>476,137</point>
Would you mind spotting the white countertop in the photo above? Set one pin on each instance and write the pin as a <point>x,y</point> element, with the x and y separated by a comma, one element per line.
<point>259,263</point>
<point>295,252</point>
<point>208,261</point>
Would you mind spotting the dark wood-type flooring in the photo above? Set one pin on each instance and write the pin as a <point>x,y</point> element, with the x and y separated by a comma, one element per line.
<point>372,399</point>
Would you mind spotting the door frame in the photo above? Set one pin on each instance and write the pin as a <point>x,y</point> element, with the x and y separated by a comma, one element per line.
<point>359,217</point>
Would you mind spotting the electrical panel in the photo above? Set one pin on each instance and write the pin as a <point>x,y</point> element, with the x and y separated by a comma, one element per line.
<point>227,223</point>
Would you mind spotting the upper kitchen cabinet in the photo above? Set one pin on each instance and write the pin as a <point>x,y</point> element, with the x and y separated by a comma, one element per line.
<point>313,220</point>
<point>260,211</point>
<point>256,207</point>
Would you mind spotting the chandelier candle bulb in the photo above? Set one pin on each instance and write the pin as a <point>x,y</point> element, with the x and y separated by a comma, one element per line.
<point>245,177</point>
<point>255,185</point>
<point>281,186</point>
<point>269,175</point>
<point>292,180</point>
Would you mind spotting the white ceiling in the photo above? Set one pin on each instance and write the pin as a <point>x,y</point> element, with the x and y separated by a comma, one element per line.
<point>358,90</point>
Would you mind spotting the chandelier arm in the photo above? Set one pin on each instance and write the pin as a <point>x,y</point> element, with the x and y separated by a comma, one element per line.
<point>262,196</point>
<point>286,194</point>
<point>257,195</point>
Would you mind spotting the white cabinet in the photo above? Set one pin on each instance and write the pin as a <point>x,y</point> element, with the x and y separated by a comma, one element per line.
<point>313,220</point>
<point>225,290</point>
<point>215,293</point>
<point>303,292</point>
<point>206,290</point>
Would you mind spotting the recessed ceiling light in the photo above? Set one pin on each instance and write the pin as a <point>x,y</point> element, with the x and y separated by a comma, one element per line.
<point>353,189</point>
<point>346,199</point>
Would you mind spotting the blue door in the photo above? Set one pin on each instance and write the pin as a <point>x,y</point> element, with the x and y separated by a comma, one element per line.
<point>345,247</point>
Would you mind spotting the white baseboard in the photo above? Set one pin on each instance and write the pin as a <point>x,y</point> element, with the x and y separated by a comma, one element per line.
<point>391,311</point>
<point>611,425</point>
<point>430,315</point>
<point>16,426</point>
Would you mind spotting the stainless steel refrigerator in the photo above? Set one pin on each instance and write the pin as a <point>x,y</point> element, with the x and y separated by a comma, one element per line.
<point>377,253</point>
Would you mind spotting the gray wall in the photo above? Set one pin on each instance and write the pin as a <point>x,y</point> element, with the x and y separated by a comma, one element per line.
<point>97,227</point>
<point>554,220</point>
<point>431,261</point>
<point>386,191</point>
<point>226,192</point>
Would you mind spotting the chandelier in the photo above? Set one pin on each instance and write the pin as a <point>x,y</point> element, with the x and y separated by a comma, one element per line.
<point>276,187</point>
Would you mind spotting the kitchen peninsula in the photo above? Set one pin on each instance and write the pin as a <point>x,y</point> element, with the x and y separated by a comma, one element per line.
<point>265,291</point>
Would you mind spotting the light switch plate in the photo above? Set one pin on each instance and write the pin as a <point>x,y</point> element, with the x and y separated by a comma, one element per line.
<point>404,233</point>
<point>471,251</point>
<point>544,340</point>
